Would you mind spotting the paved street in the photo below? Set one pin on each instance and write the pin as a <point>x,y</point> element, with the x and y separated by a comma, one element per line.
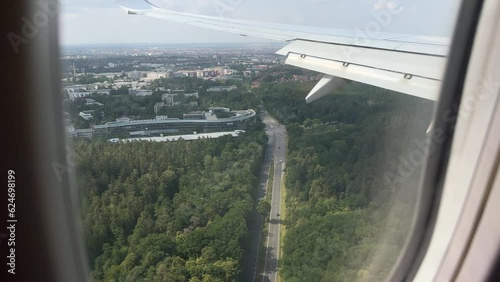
<point>273,239</point>
<point>275,152</point>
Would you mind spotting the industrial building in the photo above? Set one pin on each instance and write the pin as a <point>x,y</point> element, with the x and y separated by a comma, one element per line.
<point>125,128</point>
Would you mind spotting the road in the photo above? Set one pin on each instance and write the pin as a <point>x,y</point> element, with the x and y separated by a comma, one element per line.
<point>278,132</point>
<point>275,152</point>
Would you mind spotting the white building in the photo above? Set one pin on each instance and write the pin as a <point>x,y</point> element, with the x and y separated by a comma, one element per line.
<point>76,95</point>
<point>213,110</point>
<point>158,107</point>
<point>103,91</point>
<point>90,102</point>
<point>135,75</point>
<point>86,115</point>
<point>169,98</point>
<point>140,92</point>
<point>222,88</point>
<point>156,75</point>
<point>75,88</point>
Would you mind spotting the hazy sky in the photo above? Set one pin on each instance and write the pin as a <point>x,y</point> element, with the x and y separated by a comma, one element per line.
<point>103,21</point>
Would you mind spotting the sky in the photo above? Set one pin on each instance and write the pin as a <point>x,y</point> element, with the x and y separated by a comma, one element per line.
<point>104,22</point>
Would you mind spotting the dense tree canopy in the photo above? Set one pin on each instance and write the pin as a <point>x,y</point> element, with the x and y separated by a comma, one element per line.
<point>168,211</point>
<point>345,222</point>
<point>179,211</point>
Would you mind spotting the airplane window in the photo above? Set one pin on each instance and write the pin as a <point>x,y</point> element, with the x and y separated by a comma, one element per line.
<point>198,156</point>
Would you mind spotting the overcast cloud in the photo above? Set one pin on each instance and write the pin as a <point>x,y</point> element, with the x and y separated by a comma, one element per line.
<point>102,21</point>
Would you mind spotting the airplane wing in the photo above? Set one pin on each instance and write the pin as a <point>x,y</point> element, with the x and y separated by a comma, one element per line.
<point>412,65</point>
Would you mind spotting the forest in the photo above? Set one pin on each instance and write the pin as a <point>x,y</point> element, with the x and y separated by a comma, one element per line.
<point>180,211</point>
<point>347,219</point>
<point>175,211</point>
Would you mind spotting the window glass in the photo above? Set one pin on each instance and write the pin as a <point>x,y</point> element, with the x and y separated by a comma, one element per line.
<point>197,158</point>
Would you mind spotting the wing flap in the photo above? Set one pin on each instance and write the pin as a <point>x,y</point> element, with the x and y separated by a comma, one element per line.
<point>405,83</point>
<point>422,65</point>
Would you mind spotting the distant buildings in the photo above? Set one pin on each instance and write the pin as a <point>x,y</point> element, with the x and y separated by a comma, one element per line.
<point>152,75</point>
<point>230,77</point>
<point>110,75</point>
<point>194,116</point>
<point>194,94</point>
<point>76,88</point>
<point>222,88</point>
<point>76,95</point>
<point>260,67</point>
<point>103,91</point>
<point>206,73</point>
<point>144,93</point>
<point>121,82</point>
<point>77,91</point>
<point>187,137</point>
<point>214,110</point>
<point>140,92</point>
<point>188,73</point>
<point>170,98</point>
<point>80,133</point>
<point>90,102</point>
<point>158,106</point>
<point>82,91</point>
<point>136,75</point>
<point>86,115</point>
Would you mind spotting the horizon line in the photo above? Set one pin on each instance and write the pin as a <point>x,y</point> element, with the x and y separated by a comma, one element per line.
<point>166,43</point>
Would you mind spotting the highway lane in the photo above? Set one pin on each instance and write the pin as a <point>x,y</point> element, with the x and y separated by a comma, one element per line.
<point>275,152</point>
<point>255,232</point>
<point>278,133</point>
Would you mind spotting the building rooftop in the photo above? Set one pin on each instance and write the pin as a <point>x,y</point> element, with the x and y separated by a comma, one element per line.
<point>188,137</point>
<point>240,115</point>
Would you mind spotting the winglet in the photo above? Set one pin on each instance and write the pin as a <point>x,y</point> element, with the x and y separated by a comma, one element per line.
<point>324,87</point>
